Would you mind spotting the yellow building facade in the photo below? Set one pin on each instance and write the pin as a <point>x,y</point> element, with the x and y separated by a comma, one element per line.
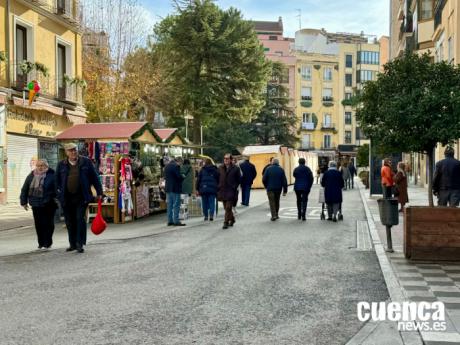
<point>331,68</point>
<point>41,50</point>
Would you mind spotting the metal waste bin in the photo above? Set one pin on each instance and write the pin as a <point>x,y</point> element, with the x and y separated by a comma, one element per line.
<point>388,209</point>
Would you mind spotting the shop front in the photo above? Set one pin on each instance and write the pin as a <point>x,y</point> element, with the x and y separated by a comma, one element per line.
<point>30,135</point>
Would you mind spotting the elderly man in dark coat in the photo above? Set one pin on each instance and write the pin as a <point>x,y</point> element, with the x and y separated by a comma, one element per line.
<point>302,186</point>
<point>229,180</point>
<point>275,181</point>
<point>249,174</point>
<point>333,184</point>
<point>446,181</point>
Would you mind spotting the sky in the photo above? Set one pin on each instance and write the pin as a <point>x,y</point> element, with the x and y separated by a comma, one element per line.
<point>352,16</point>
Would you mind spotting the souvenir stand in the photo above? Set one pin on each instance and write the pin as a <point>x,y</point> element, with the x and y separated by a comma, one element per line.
<point>115,149</point>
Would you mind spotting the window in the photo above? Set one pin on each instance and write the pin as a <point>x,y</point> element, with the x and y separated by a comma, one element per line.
<point>327,94</point>
<point>61,70</point>
<point>306,72</point>
<point>21,55</point>
<point>306,118</point>
<point>348,117</point>
<point>327,141</point>
<point>347,137</point>
<point>285,76</point>
<point>306,93</point>
<point>439,45</point>
<point>327,121</point>
<point>306,141</point>
<point>426,9</point>
<point>368,58</point>
<point>273,38</point>
<point>364,75</point>
<point>348,79</point>
<point>327,74</point>
<point>450,48</point>
<point>349,61</point>
<point>348,95</point>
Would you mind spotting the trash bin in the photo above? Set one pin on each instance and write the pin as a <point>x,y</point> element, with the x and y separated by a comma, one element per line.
<point>388,209</point>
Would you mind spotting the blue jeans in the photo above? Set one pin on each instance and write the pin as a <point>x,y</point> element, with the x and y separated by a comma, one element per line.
<point>208,204</point>
<point>173,205</point>
<point>245,194</point>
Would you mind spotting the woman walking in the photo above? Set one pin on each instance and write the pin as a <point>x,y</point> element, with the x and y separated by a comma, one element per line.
<point>400,181</point>
<point>333,184</point>
<point>206,186</point>
<point>387,178</point>
<point>39,192</point>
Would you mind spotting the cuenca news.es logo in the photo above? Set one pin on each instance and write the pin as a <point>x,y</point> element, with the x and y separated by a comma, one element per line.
<point>410,316</point>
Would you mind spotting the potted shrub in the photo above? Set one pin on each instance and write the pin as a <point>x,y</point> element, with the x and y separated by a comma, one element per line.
<point>39,67</point>
<point>412,107</point>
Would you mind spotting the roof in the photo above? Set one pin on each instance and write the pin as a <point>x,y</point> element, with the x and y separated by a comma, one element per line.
<point>256,150</point>
<point>110,130</point>
<point>269,27</point>
<point>165,133</point>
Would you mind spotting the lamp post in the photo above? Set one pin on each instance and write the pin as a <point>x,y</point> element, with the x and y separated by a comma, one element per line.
<point>187,117</point>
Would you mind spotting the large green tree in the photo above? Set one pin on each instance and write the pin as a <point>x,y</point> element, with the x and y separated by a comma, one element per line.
<point>212,62</point>
<point>276,122</point>
<point>412,106</point>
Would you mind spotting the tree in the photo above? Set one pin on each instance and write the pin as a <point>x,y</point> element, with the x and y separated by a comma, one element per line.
<point>276,122</point>
<point>212,61</point>
<point>362,157</point>
<point>413,106</point>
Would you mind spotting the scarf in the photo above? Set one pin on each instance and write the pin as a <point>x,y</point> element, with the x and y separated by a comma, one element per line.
<point>36,186</point>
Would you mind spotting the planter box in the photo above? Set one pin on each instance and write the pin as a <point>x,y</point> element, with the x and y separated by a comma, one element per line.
<point>432,233</point>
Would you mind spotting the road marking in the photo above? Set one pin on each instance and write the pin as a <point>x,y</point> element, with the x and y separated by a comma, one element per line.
<point>363,239</point>
<point>313,213</point>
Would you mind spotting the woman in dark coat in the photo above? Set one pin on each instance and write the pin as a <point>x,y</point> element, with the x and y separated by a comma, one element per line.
<point>400,181</point>
<point>206,186</point>
<point>39,192</point>
<point>333,184</point>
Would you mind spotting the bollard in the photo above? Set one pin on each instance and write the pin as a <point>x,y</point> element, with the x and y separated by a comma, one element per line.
<point>389,216</point>
<point>389,241</point>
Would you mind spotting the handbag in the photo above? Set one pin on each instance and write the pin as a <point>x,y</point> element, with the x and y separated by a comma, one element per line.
<point>99,224</point>
<point>395,191</point>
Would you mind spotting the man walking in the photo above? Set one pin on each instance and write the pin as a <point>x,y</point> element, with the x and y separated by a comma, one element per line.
<point>333,184</point>
<point>229,180</point>
<point>267,166</point>
<point>74,178</point>
<point>446,180</point>
<point>302,186</point>
<point>352,170</point>
<point>275,181</point>
<point>173,188</point>
<point>249,174</point>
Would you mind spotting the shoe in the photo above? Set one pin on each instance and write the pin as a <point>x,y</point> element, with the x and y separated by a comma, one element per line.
<point>170,224</point>
<point>225,226</point>
<point>277,217</point>
<point>179,224</point>
<point>39,247</point>
<point>304,218</point>
<point>211,219</point>
<point>205,219</point>
<point>231,223</point>
<point>80,250</point>
<point>334,219</point>
<point>70,249</point>
<point>329,219</point>
<point>273,219</point>
<point>299,216</point>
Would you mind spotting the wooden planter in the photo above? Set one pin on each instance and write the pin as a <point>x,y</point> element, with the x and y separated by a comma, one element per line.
<point>432,233</point>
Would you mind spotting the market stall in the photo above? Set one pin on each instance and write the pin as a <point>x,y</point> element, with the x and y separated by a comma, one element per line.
<point>260,157</point>
<point>127,157</point>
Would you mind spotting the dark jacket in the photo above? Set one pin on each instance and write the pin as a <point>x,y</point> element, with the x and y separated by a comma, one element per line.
<point>274,179</point>
<point>303,178</point>
<point>229,180</point>
<point>88,178</point>
<point>208,180</point>
<point>49,190</point>
<point>249,173</point>
<point>352,169</point>
<point>173,178</point>
<point>447,175</point>
<point>333,184</point>
<point>186,171</point>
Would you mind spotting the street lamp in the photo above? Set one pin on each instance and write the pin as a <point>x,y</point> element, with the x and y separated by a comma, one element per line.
<point>187,117</point>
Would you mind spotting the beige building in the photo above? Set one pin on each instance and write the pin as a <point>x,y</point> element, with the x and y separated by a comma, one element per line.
<point>425,26</point>
<point>331,67</point>
<point>41,42</point>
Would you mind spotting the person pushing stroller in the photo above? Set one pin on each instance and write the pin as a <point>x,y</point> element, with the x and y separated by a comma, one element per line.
<point>333,184</point>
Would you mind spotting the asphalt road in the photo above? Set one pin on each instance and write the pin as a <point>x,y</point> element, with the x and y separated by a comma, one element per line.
<point>261,282</point>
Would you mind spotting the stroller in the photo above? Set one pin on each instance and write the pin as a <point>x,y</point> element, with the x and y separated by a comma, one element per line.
<point>322,201</point>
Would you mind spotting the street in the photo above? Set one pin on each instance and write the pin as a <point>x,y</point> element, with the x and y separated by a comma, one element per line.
<point>261,282</point>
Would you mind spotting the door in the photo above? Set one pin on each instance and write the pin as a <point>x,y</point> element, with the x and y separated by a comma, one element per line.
<point>22,155</point>
<point>61,71</point>
<point>21,55</point>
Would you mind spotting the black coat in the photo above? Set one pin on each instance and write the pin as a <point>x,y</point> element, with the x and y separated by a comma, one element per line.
<point>249,173</point>
<point>333,184</point>
<point>173,178</point>
<point>208,180</point>
<point>352,169</point>
<point>303,178</point>
<point>274,179</point>
<point>88,178</point>
<point>49,190</point>
<point>229,180</point>
<point>447,175</point>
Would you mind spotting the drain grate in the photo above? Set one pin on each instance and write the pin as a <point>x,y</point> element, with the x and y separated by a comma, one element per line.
<point>363,238</point>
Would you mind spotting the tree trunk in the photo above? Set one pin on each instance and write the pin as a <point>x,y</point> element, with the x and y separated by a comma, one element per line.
<point>196,134</point>
<point>430,160</point>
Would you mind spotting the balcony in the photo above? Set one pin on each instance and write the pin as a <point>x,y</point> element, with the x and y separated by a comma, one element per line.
<point>328,126</point>
<point>307,146</point>
<point>328,101</point>
<point>306,104</point>
<point>308,126</point>
<point>407,26</point>
<point>328,146</point>
<point>306,98</point>
<point>67,10</point>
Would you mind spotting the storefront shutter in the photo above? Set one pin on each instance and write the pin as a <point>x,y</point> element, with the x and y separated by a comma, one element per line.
<point>22,153</point>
